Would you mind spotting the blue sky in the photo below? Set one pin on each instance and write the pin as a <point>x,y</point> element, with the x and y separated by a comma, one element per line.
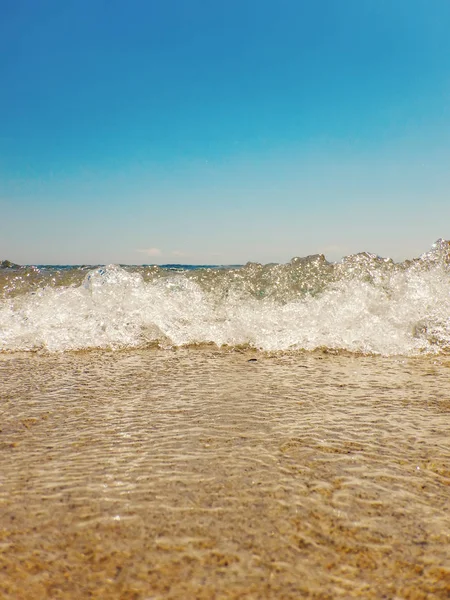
<point>221,132</point>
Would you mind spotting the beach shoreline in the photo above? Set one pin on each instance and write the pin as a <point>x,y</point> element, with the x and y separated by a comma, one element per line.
<point>201,473</point>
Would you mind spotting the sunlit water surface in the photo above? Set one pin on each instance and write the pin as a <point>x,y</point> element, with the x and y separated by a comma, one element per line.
<point>200,473</point>
<point>363,303</point>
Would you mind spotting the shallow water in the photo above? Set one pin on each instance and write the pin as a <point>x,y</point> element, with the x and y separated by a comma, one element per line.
<point>194,473</point>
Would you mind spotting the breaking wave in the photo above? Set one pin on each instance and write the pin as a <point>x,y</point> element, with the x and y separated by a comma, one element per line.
<point>362,304</point>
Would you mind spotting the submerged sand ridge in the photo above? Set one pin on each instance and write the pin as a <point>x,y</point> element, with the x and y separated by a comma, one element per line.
<point>198,474</point>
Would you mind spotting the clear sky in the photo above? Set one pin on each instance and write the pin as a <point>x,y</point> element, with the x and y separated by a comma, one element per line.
<point>156,131</point>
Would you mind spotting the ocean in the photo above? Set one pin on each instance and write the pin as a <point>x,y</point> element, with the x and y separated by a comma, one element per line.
<point>256,431</point>
<point>363,304</point>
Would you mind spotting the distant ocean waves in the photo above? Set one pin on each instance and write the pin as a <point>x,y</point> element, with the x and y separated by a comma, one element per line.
<point>362,304</point>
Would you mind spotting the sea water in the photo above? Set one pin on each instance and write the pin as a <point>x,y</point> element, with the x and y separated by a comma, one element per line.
<point>262,431</point>
<point>216,473</point>
<point>363,304</point>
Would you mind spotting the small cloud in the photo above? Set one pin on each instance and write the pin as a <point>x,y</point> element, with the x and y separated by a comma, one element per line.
<point>178,253</point>
<point>333,248</point>
<point>151,251</point>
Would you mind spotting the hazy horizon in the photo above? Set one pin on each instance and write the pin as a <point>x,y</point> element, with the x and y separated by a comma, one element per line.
<point>211,264</point>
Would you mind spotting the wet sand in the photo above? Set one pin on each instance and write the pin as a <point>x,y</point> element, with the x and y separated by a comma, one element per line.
<point>198,474</point>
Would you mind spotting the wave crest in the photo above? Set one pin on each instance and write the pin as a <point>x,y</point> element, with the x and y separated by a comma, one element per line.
<point>362,304</point>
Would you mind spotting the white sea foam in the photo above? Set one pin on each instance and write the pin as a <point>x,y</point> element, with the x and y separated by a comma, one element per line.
<point>364,304</point>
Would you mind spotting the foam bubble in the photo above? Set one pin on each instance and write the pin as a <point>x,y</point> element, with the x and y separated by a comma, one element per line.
<point>362,304</point>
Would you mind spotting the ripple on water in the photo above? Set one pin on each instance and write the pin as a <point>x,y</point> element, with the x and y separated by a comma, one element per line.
<point>196,474</point>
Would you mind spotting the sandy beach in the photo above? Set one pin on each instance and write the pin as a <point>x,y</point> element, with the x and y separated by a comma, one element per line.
<point>200,473</point>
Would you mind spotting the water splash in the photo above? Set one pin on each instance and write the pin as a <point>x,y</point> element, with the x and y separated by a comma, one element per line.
<point>362,304</point>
